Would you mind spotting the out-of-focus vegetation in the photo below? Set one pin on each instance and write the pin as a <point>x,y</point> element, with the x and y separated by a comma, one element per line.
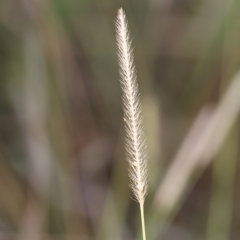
<point>63,173</point>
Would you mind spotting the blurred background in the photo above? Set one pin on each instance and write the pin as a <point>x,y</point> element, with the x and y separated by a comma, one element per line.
<point>63,172</point>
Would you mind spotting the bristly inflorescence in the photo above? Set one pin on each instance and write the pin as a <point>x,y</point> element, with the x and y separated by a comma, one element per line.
<point>135,140</point>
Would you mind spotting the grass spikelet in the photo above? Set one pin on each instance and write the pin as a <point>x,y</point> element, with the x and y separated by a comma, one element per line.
<point>135,140</point>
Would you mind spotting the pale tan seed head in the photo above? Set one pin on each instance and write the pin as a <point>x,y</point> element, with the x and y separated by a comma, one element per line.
<point>135,140</point>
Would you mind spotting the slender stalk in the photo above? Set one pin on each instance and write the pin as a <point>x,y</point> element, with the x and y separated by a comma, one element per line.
<point>143,221</point>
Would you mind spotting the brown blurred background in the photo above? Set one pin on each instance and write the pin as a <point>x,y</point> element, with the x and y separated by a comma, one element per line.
<point>63,173</point>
